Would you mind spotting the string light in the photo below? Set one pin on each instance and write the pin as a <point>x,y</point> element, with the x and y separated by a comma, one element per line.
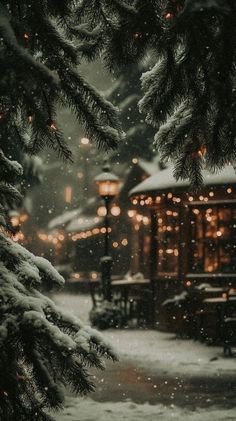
<point>168,16</point>
<point>138,35</point>
<point>52,125</point>
<point>85,141</point>
<point>115,210</point>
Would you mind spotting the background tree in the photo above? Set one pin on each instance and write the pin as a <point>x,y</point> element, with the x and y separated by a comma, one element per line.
<point>125,94</point>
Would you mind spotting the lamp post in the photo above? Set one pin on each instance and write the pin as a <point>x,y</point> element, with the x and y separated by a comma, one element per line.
<point>108,187</point>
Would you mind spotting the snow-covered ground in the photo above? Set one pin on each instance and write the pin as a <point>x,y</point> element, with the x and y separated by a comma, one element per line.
<point>180,378</point>
<point>88,410</point>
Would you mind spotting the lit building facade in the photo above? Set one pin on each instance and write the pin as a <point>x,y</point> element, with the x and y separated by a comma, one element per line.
<point>192,237</point>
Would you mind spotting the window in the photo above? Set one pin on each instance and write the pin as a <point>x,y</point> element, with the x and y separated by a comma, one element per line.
<point>168,241</point>
<point>213,239</point>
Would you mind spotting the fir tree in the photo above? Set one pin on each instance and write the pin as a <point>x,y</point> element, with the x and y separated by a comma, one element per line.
<point>41,348</point>
<point>125,94</point>
<point>189,94</point>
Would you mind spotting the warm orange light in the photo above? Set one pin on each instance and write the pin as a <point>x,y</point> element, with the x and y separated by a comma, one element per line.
<point>169,16</point>
<point>85,141</point>
<point>80,175</point>
<point>138,35</point>
<point>124,242</point>
<point>146,220</point>
<point>115,244</point>
<point>15,221</point>
<point>101,211</point>
<point>229,190</point>
<point>115,210</point>
<point>131,213</point>
<point>108,188</point>
<point>53,126</point>
<point>135,160</point>
<point>68,194</point>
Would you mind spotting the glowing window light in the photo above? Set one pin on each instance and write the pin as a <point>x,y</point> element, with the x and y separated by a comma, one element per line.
<point>146,220</point>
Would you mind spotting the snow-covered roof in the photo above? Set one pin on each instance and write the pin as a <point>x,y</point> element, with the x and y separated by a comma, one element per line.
<point>150,167</point>
<point>164,180</point>
<point>64,219</point>
<point>84,223</point>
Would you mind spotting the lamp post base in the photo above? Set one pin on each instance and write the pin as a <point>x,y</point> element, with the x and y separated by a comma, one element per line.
<point>106,265</point>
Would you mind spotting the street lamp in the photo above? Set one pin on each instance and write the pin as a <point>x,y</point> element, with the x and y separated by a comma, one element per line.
<point>108,187</point>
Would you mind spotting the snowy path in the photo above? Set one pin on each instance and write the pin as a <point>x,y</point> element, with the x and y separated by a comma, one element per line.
<point>157,378</point>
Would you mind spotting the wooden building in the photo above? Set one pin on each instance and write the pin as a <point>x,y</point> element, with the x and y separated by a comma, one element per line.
<point>191,238</point>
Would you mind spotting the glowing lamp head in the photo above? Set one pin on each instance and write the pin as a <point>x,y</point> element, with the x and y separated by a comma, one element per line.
<point>108,183</point>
